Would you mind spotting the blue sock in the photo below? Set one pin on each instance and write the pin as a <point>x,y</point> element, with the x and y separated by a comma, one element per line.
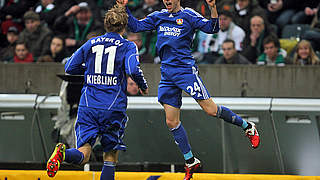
<point>230,117</point>
<point>181,139</point>
<point>244,124</point>
<point>107,171</point>
<point>73,156</point>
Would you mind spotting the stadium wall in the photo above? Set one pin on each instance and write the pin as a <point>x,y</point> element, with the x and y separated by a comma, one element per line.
<point>221,80</point>
<point>289,130</point>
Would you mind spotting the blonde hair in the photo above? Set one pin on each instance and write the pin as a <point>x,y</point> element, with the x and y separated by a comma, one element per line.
<point>116,19</point>
<point>312,58</point>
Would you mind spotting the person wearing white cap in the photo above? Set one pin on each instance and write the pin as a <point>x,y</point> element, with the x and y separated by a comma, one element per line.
<point>76,23</point>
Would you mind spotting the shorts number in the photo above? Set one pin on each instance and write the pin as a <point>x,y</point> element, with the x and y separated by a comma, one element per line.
<point>195,88</point>
<point>98,49</point>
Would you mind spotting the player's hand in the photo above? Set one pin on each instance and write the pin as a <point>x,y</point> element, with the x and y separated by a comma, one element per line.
<point>145,92</point>
<point>122,2</point>
<point>211,3</point>
<point>253,37</point>
<point>310,12</point>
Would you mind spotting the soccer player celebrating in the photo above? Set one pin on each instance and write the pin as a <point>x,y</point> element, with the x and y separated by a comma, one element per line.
<point>105,61</point>
<point>175,27</point>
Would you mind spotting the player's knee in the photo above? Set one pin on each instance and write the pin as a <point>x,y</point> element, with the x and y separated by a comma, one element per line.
<point>211,112</point>
<point>172,123</point>
<point>86,158</point>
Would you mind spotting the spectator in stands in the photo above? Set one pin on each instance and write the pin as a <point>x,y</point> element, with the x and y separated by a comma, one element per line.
<point>228,30</point>
<point>313,35</point>
<point>15,9</point>
<point>243,10</point>
<point>253,43</point>
<point>95,7</point>
<point>189,3</point>
<point>104,5</point>
<point>143,55</point>
<point>7,53</point>
<point>49,10</point>
<point>36,35</point>
<point>132,88</point>
<point>283,12</point>
<point>273,54</point>
<point>22,53</point>
<point>133,5</point>
<point>11,13</point>
<point>76,24</point>
<point>146,7</point>
<point>305,15</point>
<point>230,54</point>
<point>305,55</point>
<point>56,52</point>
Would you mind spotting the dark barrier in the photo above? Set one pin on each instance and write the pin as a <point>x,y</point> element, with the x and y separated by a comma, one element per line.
<point>221,80</point>
<point>289,130</point>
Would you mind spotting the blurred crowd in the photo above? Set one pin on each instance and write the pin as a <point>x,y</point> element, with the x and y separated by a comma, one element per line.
<point>262,32</point>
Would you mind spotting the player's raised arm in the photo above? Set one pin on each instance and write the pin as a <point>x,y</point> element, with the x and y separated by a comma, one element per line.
<point>135,25</point>
<point>213,8</point>
<point>132,66</point>
<point>199,22</point>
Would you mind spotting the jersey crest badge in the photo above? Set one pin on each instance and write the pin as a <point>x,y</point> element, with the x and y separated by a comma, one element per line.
<point>179,21</point>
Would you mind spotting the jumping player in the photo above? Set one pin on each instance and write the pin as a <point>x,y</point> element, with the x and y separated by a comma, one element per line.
<point>175,27</point>
<point>107,60</point>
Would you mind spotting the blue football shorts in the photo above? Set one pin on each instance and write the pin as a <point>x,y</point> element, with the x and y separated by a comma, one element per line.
<point>92,123</point>
<point>175,79</point>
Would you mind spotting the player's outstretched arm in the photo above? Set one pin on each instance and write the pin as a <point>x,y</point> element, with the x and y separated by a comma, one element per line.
<point>132,67</point>
<point>135,25</point>
<point>199,22</point>
<point>213,8</point>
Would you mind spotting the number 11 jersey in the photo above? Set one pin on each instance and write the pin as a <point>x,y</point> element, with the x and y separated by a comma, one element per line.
<point>105,61</point>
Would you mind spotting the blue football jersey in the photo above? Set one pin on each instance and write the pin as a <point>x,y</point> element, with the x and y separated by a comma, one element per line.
<point>175,33</point>
<point>105,61</point>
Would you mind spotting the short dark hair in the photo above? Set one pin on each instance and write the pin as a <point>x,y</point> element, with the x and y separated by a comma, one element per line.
<point>226,13</point>
<point>31,15</point>
<point>272,39</point>
<point>21,42</point>
<point>59,37</point>
<point>230,41</point>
